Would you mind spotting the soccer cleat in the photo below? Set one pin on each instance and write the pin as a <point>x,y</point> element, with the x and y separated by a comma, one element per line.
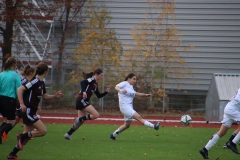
<point>112,137</point>
<point>156,126</point>
<point>10,156</point>
<point>67,137</point>
<point>19,142</point>
<point>204,153</point>
<point>4,136</point>
<point>76,123</point>
<point>233,147</point>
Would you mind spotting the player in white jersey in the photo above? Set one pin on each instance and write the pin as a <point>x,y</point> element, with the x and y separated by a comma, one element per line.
<point>126,94</point>
<point>231,115</point>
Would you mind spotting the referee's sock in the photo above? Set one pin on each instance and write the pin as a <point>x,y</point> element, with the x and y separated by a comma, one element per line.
<point>6,128</point>
<point>3,124</point>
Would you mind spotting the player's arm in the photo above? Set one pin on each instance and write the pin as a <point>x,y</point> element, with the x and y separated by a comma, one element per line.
<point>84,85</point>
<point>143,94</point>
<point>55,95</point>
<point>119,86</point>
<point>20,91</point>
<point>100,95</point>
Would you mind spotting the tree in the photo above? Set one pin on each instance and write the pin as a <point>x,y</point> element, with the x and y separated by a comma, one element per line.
<point>10,11</point>
<point>68,13</point>
<point>99,47</point>
<point>156,49</point>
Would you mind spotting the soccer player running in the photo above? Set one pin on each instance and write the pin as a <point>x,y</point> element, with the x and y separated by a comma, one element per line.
<point>126,94</point>
<point>88,87</point>
<point>9,83</point>
<point>231,114</point>
<point>28,73</point>
<point>29,96</point>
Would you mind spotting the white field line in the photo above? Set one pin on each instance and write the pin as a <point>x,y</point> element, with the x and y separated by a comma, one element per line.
<point>121,119</point>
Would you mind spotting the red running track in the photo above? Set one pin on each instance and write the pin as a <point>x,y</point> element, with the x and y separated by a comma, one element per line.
<point>118,120</point>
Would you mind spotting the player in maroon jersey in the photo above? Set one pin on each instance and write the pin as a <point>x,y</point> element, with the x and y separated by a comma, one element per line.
<point>29,96</point>
<point>88,87</point>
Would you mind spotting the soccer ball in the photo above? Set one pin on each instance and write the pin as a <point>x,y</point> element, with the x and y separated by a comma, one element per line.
<point>186,120</point>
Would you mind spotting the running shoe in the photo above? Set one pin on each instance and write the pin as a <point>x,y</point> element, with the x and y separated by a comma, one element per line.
<point>67,137</point>
<point>11,156</point>
<point>156,126</point>
<point>204,153</point>
<point>112,137</point>
<point>232,146</point>
<point>4,136</point>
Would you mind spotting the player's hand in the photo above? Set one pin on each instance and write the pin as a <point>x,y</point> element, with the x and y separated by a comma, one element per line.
<point>108,88</point>
<point>23,107</point>
<point>123,91</point>
<point>84,95</point>
<point>58,94</point>
<point>148,95</point>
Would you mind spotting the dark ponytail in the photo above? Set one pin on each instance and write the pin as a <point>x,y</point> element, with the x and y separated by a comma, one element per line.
<point>89,75</point>
<point>27,70</point>
<point>129,76</point>
<point>41,68</point>
<point>9,63</point>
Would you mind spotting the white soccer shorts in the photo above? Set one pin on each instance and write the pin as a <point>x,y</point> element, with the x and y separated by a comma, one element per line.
<point>231,115</point>
<point>128,111</point>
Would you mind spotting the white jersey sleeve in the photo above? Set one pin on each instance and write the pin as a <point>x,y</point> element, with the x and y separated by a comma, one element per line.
<point>122,84</point>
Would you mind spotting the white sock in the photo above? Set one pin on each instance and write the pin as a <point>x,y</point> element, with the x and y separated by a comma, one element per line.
<point>236,138</point>
<point>117,132</point>
<point>149,124</point>
<point>212,142</point>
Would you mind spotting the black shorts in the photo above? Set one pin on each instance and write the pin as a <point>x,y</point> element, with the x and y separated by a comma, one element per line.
<point>81,104</point>
<point>8,107</point>
<point>30,116</point>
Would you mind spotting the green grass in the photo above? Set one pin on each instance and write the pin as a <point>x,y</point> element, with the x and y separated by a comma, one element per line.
<point>91,142</point>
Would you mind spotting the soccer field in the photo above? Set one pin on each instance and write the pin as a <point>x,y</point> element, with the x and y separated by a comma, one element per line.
<point>92,142</point>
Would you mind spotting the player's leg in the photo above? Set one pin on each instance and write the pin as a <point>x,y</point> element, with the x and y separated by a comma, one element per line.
<point>2,125</point>
<point>4,121</point>
<point>204,151</point>
<point>231,138</point>
<point>123,127</point>
<point>15,150</point>
<point>232,143</point>
<point>67,136</point>
<point>41,131</point>
<point>84,106</point>
<point>226,124</point>
<point>93,114</point>
<point>145,122</point>
<point>9,108</point>
<point>30,119</point>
